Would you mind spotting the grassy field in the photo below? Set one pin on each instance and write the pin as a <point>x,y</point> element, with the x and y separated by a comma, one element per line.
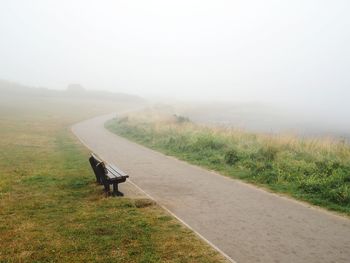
<point>52,211</point>
<point>313,170</point>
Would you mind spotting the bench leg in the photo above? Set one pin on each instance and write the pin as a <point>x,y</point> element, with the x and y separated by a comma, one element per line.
<point>116,190</point>
<point>107,189</point>
<point>98,180</point>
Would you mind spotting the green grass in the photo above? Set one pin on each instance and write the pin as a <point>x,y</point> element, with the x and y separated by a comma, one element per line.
<point>52,211</point>
<point>313,170</point>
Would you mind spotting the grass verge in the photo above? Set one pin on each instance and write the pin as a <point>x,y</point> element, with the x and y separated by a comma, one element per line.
<point>52,211</point>
<point>313,170</point>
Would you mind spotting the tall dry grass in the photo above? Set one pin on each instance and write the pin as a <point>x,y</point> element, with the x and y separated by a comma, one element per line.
<point>313,169</point>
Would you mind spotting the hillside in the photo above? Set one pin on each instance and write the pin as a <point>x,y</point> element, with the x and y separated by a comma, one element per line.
<point>15,89</point>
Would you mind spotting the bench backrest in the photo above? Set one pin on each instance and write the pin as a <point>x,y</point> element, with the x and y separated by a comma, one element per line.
<point>106,172</point>
<point>96,158</point>
<point>101,172</point>
<point>94,162</point>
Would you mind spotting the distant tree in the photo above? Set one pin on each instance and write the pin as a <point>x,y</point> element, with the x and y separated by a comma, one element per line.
<point>75,88</point>
<point>181,119</point>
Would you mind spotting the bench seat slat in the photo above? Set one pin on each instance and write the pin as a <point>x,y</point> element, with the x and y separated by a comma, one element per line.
<point>111,175</point>
<point>116,169</point>
<point>112,171</point>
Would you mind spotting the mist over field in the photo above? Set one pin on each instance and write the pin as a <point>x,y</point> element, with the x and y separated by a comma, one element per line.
<point>252,117</point>
<point>271,66</point>
<point>270,118</point>
<point>175,131</point>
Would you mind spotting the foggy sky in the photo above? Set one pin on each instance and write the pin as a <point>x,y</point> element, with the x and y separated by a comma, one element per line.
<point>291,52</point>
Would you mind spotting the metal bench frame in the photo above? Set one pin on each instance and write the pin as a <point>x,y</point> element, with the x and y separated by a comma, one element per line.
<point>107,174</point>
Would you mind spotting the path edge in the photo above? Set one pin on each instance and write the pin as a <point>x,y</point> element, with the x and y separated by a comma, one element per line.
<point>163,207</point>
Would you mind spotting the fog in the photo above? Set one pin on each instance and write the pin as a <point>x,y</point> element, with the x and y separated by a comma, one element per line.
<point>292,56</point>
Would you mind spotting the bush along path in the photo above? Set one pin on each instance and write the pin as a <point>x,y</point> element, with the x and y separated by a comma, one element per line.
<point>314,170</point>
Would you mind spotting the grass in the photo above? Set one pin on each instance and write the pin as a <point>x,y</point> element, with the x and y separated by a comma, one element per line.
<point>313,170</point>
<point>52,211</point>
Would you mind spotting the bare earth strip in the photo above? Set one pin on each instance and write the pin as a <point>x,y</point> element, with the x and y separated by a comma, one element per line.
<point>245,222</point>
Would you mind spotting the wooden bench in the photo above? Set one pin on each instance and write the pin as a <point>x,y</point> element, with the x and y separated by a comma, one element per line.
<point>107,174</point>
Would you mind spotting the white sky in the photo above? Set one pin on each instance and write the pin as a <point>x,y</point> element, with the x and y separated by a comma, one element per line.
<point>295,52</point>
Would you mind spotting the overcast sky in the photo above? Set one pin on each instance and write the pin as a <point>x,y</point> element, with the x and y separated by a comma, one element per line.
<point>286,51</point>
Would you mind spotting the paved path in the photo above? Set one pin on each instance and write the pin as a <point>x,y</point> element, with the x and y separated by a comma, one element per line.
<point>247,223</point>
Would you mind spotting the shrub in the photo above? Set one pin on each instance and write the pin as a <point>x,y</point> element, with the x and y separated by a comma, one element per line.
<point>123,119</point>
<point>231,157</point>
<point>341,194</point>
<point>327,167</point>
<point>207,142</point>
<point>313,185</point>
<point>181,119</point>
<point>267,153</point>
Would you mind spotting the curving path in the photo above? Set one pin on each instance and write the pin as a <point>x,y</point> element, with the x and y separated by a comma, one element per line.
<point>246,223</point>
